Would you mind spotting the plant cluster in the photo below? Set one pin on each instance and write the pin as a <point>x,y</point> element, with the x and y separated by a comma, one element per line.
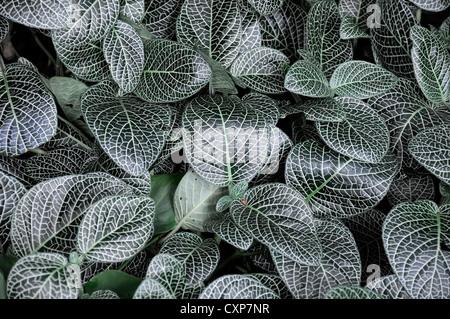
<point>225,149</point>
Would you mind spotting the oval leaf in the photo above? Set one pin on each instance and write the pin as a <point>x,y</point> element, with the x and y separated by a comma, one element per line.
<point>305,78</point>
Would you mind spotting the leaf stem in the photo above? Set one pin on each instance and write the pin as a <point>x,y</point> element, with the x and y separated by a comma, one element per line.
<point>419,14</point>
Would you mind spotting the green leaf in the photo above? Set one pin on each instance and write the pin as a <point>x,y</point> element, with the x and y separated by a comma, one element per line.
<point>432,5</point>
<point>4,28</point>
<point>124,52</point>
<point>322,37</point>
<point>306,79</point>
<point>284,30</point>
<point>262,105</point>
<point>431,62</point>
<point>27,110</point>
<point>6,263</point>
<point>49,14</point>
<point>349,30</point>
<point>133,9</point>
<point>199,257</point>
<point>352,292</point>
<point>238,190</point>
<point>391,44</point>
<point>237,287</point>
<point>48,215</point>
<point>273,282</point>
<point>361,80</point>
<point>261,69</point>
<point>101,294</point>
<point>163,190</point>
<point>413,234</point>
<point>251,31</point>
<point>354,17</point>
<point>266,7</point>
<point>123,224</point>
<point>123,284</point>
<point>172,72</point>
<point>339,265</point>
<point>362,134</point>
<point>277,216</point>
<point>431,148</point>
<point>43,276</point>
<point>411,188</point>
<point>444,189</point>
<point>223,203</point>
<point>328,181</point>
<point>389,286</point>
<point>195,200</point>
<point>89,21</point>
<point>214,26</point>
<point>160,17</point>
<point>323,110</point>
<point>444,31</point>
<point>2,286</point>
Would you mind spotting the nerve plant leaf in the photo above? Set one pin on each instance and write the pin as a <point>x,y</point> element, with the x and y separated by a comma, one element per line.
<point>354,18</point>
<point>411,188</point>
<point>362,134</point>
<point>138,135</point>
<point>335,185</point>
<point>238,287</point>
<point>431,62</point>
<point>133,9</point>
<point>322,37</point>
<point>43,276</point>
<point>413,234</point>
<point>352,292</point>
<point>431,148</point>
<point>305,78</point>
<point>212,25</point>
<point>27,110</point>
<point>47,217</point>
<point>4,28</point>
<point>251,31</point>
<point>198,257</point>
<point>264,7</point>
<point>123,225</point>
<point>261,69</point>
<point>277,216</point>
<point>160,17</point>
<point>49,14</point>
<point>339,264</point>
<point>432,5</point>
<point>323,110</point>
<point>195,200</point>
<point>389,286</point>
<point>124,52</point>
<point>361,80</point>
<point>172,72</point>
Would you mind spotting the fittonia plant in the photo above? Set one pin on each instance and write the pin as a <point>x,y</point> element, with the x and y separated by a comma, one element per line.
<point>225,149</point>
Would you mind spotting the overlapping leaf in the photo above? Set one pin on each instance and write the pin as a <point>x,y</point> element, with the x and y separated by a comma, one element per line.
<point>354,17</point>
<point>4,28</point>
<point>198,257</point>
<point>323,110</point>
<point>172,72</point>
<point>433,5</point>
<point>15,167</point>
<point>339,265</point>
<point>265,7</point>
<point>413,234</point>
<point>352,292</point>
<point>431,148</point>
<point>410,189</point>
<point>251,31</point>
<point>133,9</point>
<point>48,215</point>
<point>305,78</point>
<point>335,185</point>
<point>160,17</point>
<point>277,216</point>
<point>261,69</point>
<point>43,276</point>
<point>389,286</point>
<point>27,110</point>
<point>211,25</point>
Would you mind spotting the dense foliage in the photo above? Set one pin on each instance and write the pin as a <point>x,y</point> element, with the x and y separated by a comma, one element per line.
<point>224,149</point>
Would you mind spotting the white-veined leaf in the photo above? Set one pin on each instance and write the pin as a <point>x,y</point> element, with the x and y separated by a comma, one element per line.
<point>15,167</point>
<point>261,69</point>
<point>214,26</point>
<point>237,287</point>
<point>195,201</point>
<point>431,62</point>
<point>172,72</point>
<point>335,185</point>
<point>133,9</point>
<point>284,30</point>
<point>85,61</point>
<point>389,286</point>
<point>431,148</point>
<point>263,259</point>
<point>27,110</point>
<point>263,105</point>
<point>123,224</point>
<point>89,21</point>
<point>339,265</point>
<point>413,234</point>
<point>4,28</point>
<point>101,294</point>
<point>444,32</point>
<point>11,190</point>
<point>251,31</point>
<point>160,17</point>
<point>223,225</point>
<point>152,289</point>
<point>352,292</point>
<point>362,134</point>
<point>354,18</point>
<point>361,79</point>
<point>266,7</point>
<point>323,110</point>
<point>407,112</point>
<point>225,141</point>
<point>411,188</point>
<point>277,216</point>
<point>124,52</point>
<point>322,37</point>
<point>273,282</point>
<point>47,14</point>
<point>138,135</point>
<point>43,276</point>
<point>432,5</point>
<point>48,215</point>
<point>391,44</point>
<point>198,257</point>
<point>305,78</point>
